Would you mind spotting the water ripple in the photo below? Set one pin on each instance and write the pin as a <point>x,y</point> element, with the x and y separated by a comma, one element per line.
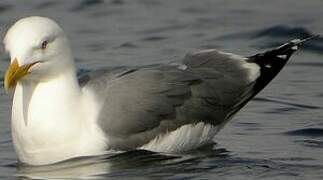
<point>274,36</point>
<point>309,64</point>
<point>46,4</point>
<point>126,45</point>
<point>284,109</point>
<point>311,143</point>
<point>84,4</point>
<point>164,29</point>
<point>5,7</point>
<point>154,38</point>
<point>310,132</point>
<point>283,31</point>
<point>287,103</point>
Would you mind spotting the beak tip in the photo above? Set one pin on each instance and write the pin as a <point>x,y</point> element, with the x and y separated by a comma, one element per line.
<point>6,88</point>
<point>7,83</point>
<point>14,73</point>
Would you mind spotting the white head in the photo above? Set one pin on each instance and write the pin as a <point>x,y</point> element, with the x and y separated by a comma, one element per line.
<point>38,50</point>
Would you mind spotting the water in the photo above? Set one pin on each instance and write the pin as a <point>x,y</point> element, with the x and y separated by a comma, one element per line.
<point>278,135</point>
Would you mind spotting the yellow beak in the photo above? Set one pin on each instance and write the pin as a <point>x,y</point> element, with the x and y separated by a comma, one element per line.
<point>14,73</point>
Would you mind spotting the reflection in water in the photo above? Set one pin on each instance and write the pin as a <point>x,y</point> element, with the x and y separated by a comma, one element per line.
<point>76,168</point>
<point>103,166</point>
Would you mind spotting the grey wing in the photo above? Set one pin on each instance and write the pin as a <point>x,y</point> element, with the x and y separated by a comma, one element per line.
<point>140,103</point>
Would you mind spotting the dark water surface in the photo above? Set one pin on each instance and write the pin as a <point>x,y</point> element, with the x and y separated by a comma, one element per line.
<point>279,135</point>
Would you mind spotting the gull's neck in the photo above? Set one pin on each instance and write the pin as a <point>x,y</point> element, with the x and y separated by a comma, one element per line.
<point>62,89</point>
<point>47,114</point>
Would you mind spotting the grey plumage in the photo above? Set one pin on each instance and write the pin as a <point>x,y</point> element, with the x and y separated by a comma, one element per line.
<point>139,103</point>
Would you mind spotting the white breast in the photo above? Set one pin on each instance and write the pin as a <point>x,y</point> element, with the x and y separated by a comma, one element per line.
<point>59,125</point>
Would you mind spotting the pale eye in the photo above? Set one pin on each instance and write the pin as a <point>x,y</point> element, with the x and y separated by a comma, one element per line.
<point>44,44</point>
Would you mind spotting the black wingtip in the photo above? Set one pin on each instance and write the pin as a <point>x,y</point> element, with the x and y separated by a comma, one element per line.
<point>287,48</point>
<point>293,45</point>
<point>281,54</point>
<point>314,36</point>
<point>272,61</point>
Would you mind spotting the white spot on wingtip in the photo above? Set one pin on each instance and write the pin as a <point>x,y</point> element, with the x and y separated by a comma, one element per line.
<point>296,41</point>
<point>294,48</point>
<point>282,56</point>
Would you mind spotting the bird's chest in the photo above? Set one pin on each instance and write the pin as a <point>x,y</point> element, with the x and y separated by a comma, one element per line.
<point>44,125</point>
<point>43,113</point>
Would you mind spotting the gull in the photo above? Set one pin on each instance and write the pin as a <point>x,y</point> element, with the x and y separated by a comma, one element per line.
<point>171,108</point>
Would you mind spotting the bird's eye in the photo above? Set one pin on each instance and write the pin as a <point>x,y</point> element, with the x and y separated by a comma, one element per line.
<point>44,44</point>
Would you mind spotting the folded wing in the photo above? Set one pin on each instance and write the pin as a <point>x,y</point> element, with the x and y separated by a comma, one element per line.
<point>139,103</point>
